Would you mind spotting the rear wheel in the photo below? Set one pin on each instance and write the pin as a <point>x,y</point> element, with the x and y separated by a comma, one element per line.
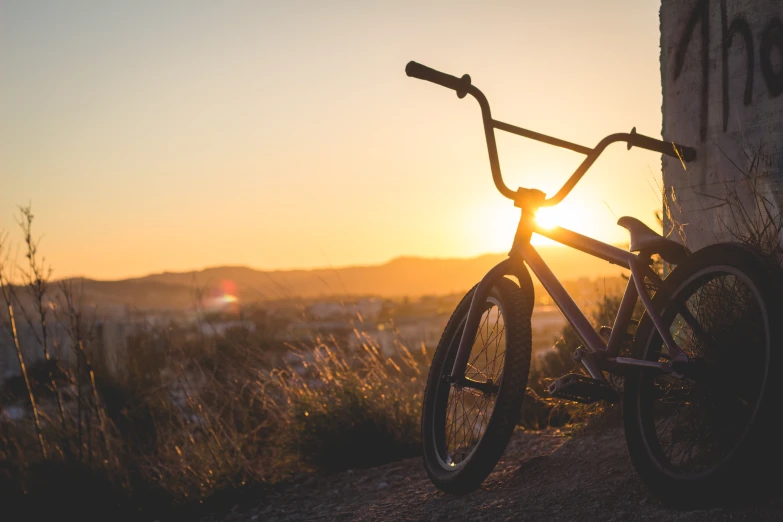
<point>465,429</point>
<point>703,439</point>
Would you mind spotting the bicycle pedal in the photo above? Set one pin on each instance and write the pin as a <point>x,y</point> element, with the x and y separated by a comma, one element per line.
<point>580,388</point>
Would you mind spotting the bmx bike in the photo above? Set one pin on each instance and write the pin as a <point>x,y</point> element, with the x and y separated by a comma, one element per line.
<point>698,390</point>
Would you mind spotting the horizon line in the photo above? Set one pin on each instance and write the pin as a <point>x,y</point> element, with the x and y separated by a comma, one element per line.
<point>304,269</point>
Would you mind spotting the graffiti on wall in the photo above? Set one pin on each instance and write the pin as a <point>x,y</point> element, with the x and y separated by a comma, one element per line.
<point>767,46</point>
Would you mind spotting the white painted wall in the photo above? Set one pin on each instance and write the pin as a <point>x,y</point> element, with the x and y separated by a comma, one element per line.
<point>725,98</point>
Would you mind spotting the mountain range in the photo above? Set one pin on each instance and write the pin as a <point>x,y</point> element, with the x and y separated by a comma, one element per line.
<point>403,276</point>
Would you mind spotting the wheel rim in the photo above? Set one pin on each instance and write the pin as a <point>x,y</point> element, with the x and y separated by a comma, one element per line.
<point>463,413</point>
<point>693,426</point>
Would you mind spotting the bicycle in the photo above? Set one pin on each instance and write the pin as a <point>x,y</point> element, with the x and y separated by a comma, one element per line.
<point>697,390</point>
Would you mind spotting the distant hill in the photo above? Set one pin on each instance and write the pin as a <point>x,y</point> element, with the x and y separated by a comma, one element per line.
<point>404,276</point>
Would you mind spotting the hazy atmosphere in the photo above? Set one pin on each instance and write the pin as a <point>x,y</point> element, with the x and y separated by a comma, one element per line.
<point>154,136</point>
<point>257,261</point>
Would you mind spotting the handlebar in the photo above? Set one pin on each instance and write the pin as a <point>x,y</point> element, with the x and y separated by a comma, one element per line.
<point>463,87</point>
<point>422,72</point>
<point>669,148</point>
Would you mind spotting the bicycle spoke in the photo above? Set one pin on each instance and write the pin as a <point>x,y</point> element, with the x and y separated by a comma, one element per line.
<point>469,410</point>
<point>483,343</point>
<point>489,338</point>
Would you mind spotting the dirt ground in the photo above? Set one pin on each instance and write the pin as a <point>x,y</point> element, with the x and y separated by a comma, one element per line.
<point>542,476</point>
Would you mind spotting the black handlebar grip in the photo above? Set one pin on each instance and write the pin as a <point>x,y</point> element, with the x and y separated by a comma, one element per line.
<point>422,72</point>
<point>675,150</point>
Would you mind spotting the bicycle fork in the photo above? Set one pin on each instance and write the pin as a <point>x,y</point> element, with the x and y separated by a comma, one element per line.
<point>515,266</point>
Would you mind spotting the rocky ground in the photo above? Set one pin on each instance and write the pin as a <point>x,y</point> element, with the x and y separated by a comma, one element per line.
<point>543,476</point>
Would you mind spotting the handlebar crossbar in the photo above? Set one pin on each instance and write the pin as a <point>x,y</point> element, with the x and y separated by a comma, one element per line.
<point>463,86</point>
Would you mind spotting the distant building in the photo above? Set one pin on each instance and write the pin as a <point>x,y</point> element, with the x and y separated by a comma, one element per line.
<point>106,342</point>
<point>411,331</point>
<point>426,331</point>
<point>367,309</point>
<point>219,328</point>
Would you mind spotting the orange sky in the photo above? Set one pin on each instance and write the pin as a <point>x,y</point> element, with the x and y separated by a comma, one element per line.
<point>153,136</point>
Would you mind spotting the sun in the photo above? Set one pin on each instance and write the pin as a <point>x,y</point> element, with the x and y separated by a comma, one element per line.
<point>549,217</point>
<point>491,226</point>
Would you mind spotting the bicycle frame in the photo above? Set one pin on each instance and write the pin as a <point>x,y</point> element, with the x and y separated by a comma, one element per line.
<point>523,253</point>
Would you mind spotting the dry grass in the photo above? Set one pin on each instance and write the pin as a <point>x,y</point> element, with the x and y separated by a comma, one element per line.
<point>194,423</point>
<point>349,410</point>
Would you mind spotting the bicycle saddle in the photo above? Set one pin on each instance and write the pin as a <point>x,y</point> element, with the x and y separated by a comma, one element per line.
<point>647,241</point>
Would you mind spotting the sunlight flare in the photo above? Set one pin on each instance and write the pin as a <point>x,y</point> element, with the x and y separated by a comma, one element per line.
<point>548,217</point>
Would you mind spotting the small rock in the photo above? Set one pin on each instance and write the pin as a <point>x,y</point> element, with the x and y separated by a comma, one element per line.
<point>382,485</point>
<point>644,500</point>
<point>254,517</point>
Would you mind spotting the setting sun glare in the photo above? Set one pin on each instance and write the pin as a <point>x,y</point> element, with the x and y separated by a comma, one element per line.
<point>547,217</point>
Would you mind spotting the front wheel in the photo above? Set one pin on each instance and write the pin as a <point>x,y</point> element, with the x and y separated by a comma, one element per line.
<point>466,429</point>
<point>702,438</point>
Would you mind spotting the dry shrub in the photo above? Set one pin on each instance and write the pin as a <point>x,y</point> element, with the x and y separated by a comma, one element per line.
<point>339,410</point>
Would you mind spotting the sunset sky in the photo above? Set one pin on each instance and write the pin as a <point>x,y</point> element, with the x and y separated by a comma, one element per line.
<point>177,135</point>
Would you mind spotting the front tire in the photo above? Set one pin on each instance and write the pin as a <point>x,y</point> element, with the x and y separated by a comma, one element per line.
<point>706,439</point>
<point>464,430</point>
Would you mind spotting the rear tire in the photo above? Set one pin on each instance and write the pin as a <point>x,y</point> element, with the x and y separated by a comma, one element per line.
<point>708,440</point>
<point>465,431</point>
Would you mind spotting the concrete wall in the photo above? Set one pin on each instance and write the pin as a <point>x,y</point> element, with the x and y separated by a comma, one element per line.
<point>722,79</point>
